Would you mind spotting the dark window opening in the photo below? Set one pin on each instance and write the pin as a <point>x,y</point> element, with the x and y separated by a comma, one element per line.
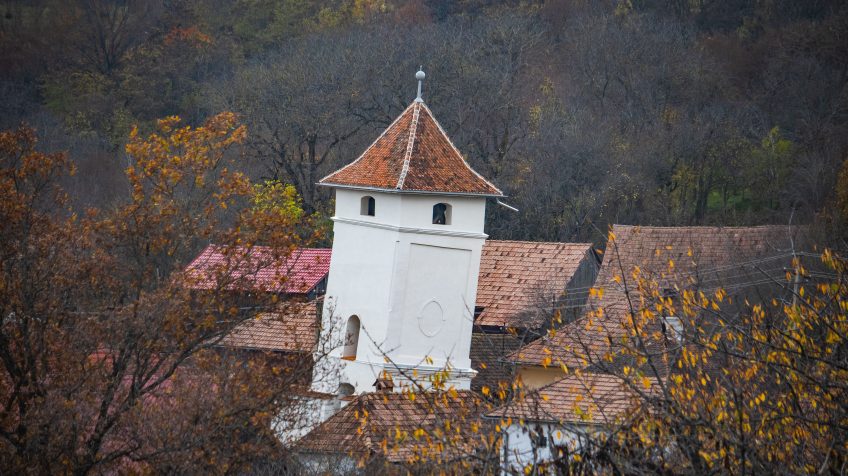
<point>366,206</point>
<point>441,214</point>
<point>669,293</point>
<point>477,311</point>
<point>345,390</point>
<point>540,440</point>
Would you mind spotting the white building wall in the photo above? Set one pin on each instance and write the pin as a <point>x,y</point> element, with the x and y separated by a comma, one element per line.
<point>520,448</point>
<point>412,284</point>
<point>301,417</point>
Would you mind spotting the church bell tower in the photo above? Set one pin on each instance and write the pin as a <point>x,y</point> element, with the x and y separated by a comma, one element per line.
<point>408,232</point>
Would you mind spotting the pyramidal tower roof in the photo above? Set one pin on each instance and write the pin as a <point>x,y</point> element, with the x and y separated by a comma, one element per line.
<point>413,155</point>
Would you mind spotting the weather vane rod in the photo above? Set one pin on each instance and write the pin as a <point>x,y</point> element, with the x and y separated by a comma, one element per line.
<point>420,77</point>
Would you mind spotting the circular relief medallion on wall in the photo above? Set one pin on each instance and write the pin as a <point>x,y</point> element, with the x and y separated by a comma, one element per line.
<point>431,318</point>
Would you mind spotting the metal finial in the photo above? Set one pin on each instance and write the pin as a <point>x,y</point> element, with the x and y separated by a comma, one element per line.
<point>420,77</point>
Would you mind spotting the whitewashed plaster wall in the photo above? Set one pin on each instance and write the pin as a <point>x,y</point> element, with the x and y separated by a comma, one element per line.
<point>412,284</point>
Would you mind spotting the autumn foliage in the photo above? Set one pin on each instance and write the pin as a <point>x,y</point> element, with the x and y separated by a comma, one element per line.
<point>750,381</point>
<point>110,360</point>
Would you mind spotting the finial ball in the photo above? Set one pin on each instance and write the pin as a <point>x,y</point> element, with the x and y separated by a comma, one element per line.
<point>420,75</point>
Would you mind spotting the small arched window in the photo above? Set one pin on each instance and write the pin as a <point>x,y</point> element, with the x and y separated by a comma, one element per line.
<point>366,206</point>
<point>441,214</point>
<point>351,338</point>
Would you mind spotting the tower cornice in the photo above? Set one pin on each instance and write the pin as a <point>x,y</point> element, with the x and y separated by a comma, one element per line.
<point>409,229</point>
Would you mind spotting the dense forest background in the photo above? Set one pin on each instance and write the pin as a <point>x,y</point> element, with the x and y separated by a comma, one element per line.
<point>660,112</point>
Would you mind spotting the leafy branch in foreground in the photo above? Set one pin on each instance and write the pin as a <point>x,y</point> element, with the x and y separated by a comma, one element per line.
<point>110,351</point>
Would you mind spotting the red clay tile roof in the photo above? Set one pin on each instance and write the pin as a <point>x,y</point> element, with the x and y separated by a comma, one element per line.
<point>371,423</point>
<point>588,398</point>
<point>726,256</point>
<point>292,329</point>
<point>651,248</point>
<point>579,344</point>
<point>515,275</point>
<point>259,268</point>
<point>413,154</point>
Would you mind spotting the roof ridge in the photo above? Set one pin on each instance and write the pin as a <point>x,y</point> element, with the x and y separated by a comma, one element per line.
<point>702,227</point>
<point>413,126</point>
<point>363,154</point>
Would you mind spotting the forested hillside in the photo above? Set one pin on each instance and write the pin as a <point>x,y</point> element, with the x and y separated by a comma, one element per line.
<point>662,112</point>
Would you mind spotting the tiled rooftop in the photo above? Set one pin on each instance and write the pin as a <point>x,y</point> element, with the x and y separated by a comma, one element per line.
<point>589,398</point>
<point>581,343</point>
<point>695,250</point>
<point>259,268</point>
<point>706,256</point>
<point>292,329</point>
<point>413,154</point>
<point>515,276</point>
<point>372,423</point>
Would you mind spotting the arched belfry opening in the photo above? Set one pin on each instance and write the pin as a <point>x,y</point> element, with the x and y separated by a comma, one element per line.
<point>441,214</point>
<point>351,341</point>
<point>367,206</point>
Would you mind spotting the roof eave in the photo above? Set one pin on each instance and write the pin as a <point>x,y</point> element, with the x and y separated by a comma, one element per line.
<point>493,417</point>
<point>410,192</point>
<point>551,421</point>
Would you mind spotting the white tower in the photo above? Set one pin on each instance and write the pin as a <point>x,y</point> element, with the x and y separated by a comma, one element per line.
<point>408,233</point>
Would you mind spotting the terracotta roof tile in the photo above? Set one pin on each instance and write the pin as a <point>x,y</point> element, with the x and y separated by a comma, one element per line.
<point>515,274</point>
<point>259,268</point>
<point>292,329</point>
<point>413,154</point>
<point>369,424</point>
<point>588,398</point>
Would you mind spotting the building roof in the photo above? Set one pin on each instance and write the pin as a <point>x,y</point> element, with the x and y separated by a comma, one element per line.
<point>413,155</point>
<point>294,328</point>
<point>579,344</point>
<point>386,424</point>
<point>488,358</point>
<point>695,250</point>
<point>588,398</point>
<point>259,268</point>
<point>731,257</point>
<point>515,276</point>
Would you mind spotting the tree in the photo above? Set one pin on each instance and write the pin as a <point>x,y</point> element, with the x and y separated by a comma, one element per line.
<point>724,374</point>
<point>299,110</point>
<point>110,354</point>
